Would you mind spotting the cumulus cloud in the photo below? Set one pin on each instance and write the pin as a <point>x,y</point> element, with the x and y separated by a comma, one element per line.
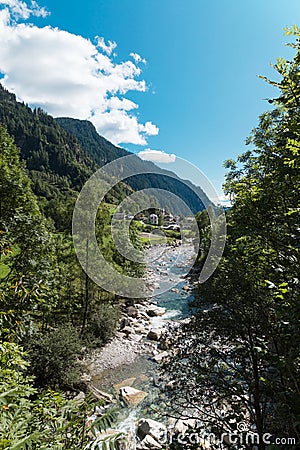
<point>20,9</point>
<point>137,58</point>
<point>68,75</point>
<point>156,156</point>
<point>149,128</point>
<point>107,48</point>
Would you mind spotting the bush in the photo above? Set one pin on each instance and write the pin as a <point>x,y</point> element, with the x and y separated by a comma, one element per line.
<point>54,357</point>
<point>103,324</point>
<point>43,421</point>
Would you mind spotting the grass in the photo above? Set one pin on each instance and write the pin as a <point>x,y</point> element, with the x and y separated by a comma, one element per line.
<point>156,240</point>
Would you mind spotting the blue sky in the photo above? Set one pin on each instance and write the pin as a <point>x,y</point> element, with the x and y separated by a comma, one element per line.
<point>201,94</point>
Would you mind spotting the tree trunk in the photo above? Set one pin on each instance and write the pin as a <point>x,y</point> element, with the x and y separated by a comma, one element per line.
<point>86,290</point>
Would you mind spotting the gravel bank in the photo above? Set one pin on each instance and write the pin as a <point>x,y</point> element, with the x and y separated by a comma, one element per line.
<point>116,353</point>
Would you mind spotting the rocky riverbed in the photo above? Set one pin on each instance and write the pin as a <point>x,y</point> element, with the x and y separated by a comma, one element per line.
<point>124,370</point>
<point>142,325</point>
<point>139,334</point>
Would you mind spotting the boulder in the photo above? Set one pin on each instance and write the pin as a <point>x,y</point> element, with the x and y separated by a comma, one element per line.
<point>191,423</point>
<point>186,287</point>
<point>158,358</point>
<point>124,322</point>
<point>144,314</point>
<point>132,396</point>
<point>80,397</point>
<point>141,330</point>
<point>155,334</point>
<point>182,425</point>
<point>136,337</point>
<point>154,311</point>
<point>119,335</point>
<point>127,330</point>
<point>148,443</point>
<point>127,382</point>
<point>140,327</point>
<point>164,342</point>
<point>151,428</point>
<point>131,311</point>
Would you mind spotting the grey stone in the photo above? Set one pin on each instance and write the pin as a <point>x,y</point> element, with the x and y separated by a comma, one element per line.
<point>155,334</point>
<point>131,311</point>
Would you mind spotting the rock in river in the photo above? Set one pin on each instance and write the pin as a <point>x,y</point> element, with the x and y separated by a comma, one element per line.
<point>148,443</point>
<point>124,383</point>
<point>132,396</point>
<point>154,311</point>
<point>131,311</point>
<point>155,334</point>
<point>158,358</point>
<point>150,433</point>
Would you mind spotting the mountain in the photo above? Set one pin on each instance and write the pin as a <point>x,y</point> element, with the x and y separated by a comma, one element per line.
<point>56,162</point>
<point>100,149</point>
<point>61,154</point>
<point>103,151</point>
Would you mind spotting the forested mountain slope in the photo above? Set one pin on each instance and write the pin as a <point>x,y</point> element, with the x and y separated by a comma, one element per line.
<point>103,151</point>
<point>61,154</point>
<point>54,159</point>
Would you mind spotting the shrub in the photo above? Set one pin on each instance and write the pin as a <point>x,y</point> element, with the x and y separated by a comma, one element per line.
<point>54,357</point>
<point>103,323</point>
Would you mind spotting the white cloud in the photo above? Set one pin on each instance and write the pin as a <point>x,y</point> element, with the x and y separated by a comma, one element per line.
<point>21,9</point>
<point>137,58</point>
<point>119,126</point>
<point>149,128</point>
<point>156,156</point>
<point>106,48</point>
<point>68,75</point>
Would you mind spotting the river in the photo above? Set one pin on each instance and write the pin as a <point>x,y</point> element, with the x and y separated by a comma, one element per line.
<point>167,269</point>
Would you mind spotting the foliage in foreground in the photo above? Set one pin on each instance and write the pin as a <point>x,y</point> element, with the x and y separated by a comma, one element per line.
<point>48,420</point>
<point>41,288</point>
<point>239,362</point>
<point>54,357</point>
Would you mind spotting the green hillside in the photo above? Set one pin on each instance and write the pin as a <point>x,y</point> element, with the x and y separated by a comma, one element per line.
<point>61,154</point>
<point>103,151</point>
<point>54,159</point>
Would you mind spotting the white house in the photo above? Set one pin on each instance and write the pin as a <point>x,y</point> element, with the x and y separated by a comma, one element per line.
<point>153,218</point>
